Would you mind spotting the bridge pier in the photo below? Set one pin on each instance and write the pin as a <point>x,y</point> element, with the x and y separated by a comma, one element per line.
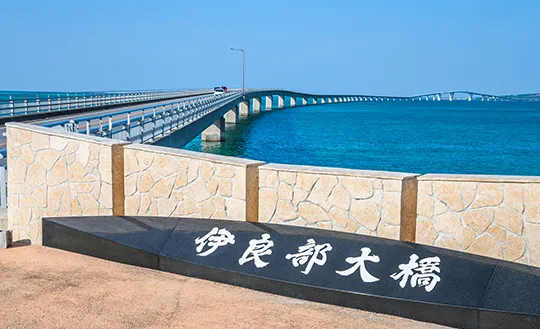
<point>323,101</point>
<point>232,116</point>
<point>438,97</point>
<point>256,105</point>
<point>304,101</point>
<point>244,108</point>
<point>451,96</point>
<point>215,132</point>
<point>470,97</point>
<point>315,101</point>
<point>293,101</point>
<point>268,102</point>
<point>281,101</point>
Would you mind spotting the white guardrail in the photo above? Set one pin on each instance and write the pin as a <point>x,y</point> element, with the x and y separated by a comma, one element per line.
<point>22,104</point>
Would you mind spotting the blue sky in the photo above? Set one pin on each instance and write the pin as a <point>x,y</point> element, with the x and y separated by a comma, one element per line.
<point>371,47</point>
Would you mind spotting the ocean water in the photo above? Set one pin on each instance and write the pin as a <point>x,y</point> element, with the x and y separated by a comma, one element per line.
<point>418,137</point>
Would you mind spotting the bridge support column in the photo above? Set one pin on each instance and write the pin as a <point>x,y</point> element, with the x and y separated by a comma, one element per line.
<point>280,101</point>
<point>304,101</point>
<point>438,97</point>
<point>216,131</point>
<point>323,100</point>
<point>451,96</point>
<point>268,100</point>
<point>244,108</point>
<point>293,101</point>
<point>232,116</point>
<point>315,101</point>
<point>256,105</point>
<point>470,97</point>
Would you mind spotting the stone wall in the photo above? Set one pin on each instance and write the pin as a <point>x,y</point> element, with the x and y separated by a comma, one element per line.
<point>163,181</point>
<point>55,173</point>
<point>367,202</point>
<point>495,216</point>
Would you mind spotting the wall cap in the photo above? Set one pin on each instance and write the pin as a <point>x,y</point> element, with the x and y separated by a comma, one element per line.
<point>339,171</point>
<point>195,155</point>
<point>65,134</point>
<point>480,178</point>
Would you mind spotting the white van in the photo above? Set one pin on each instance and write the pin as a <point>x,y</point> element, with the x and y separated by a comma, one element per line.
<point>218,91</point>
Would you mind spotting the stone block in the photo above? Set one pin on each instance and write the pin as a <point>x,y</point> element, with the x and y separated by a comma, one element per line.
<point>6,239</point>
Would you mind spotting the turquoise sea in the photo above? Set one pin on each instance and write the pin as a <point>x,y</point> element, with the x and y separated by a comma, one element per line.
<point>419,137</point>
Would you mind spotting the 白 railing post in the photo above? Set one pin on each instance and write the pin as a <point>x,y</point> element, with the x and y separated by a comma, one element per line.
<point>11,105</point>
<point>25,105</point>
<point>142,126</point>
<point>100,127</point>
<point>59,103</point>
<point>87,127</point>
<point>128,130</point>
<point>38,104</point>
<point>49,102</point>
<point>110,126</point>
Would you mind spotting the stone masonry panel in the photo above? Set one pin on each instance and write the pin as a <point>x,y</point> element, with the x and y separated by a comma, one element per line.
<point>180,185</point>
<point>364,205</point>
<point>499,219</point>
<point>52,174</point>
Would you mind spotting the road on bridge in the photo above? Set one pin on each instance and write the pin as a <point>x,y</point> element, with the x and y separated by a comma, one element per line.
<point>57,120</point>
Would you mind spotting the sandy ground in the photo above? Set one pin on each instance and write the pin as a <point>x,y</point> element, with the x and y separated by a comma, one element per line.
<point>47,288</point>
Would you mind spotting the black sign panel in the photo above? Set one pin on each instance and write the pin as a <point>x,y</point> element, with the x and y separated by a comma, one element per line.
<point>382,275</point>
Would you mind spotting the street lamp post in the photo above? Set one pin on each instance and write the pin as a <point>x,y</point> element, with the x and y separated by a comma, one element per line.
<point>242,50</point>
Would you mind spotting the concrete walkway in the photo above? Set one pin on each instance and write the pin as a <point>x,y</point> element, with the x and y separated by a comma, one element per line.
<point>48,288</point>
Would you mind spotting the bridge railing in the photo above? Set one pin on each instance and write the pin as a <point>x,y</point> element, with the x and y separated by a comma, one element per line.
<point>149,123</point>
<point>17,104</point>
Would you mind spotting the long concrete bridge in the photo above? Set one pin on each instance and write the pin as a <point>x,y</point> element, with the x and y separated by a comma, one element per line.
<point>148,116</point>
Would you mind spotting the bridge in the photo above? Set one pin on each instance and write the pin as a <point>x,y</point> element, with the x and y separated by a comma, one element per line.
<point>466,95</point>
<point>149,116</point>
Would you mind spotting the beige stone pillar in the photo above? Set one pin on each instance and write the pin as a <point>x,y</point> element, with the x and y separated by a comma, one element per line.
<point>256,105</point>
<point>244,108</point>
<point>215,132</point>
<point>52,173</point>
<point>268,100</point>
<point>233,115</point>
